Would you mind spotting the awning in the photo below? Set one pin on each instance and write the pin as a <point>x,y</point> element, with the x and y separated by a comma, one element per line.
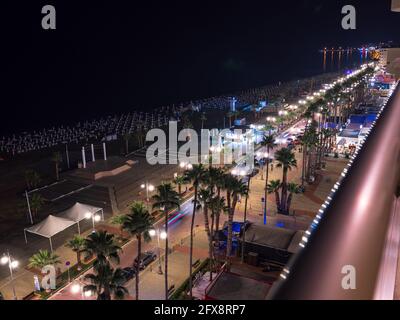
<point>53,225</point>
<point>49,227</point>
<point>79,212</point>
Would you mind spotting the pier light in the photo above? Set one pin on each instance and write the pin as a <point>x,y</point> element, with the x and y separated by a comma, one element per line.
<point>152,233</point>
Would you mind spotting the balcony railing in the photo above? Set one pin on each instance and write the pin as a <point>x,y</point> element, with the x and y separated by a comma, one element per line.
<point>356,232</point>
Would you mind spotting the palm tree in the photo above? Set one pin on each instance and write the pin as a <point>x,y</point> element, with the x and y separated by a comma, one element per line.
<point>293,188</point>
<point>140,136</point>
<point>287,160</point>
<point>77,244</point>
<point>205,198</point>
<point>269,142</point>
<point>215,180</point>
<point>138,223</point>
<point>119,220</point>
<point>57,159</point>
<point>32,179</point>
<point>101,244</point>
<point>166,199</point>
<point>203,118</point>
<point>274,187</point>
<point>179,181</point>
<point>36,203</point>
<point>106,282</point>
<point>43,258</point>
<point>230,114</point>
<point>234,189</point>
<point>127,138</point>
<point>196,176</point>
<point>269,127</point>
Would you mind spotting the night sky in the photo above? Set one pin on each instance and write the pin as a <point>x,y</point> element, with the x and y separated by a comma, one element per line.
<point>113,56</point>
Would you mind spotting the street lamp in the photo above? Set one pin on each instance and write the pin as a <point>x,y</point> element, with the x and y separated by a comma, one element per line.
<point>160,235</point>
<point>94,217</point>
<point>12,264</point>
<point>149,188</point>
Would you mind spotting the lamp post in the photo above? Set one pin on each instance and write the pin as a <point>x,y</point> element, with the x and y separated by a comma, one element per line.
<point>94,217</point>
<point>149,188</point>
<point>160,235</point>
<point>12,264</point>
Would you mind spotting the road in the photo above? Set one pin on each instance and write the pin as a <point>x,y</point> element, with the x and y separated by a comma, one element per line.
<point>178,229</point>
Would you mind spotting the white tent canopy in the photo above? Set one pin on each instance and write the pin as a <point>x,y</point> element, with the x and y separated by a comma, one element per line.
<point>79,212</point>
<point>53,225</point>
<point>49,227</point>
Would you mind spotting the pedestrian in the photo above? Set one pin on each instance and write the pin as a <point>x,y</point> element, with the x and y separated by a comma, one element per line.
<point>272,167</point>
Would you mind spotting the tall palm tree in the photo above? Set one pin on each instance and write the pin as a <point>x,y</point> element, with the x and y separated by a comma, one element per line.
<point>138,223</point>
<point>273,187</point>
<point>36,203</point>
<point>234,188</point>
<point>179,181</point>
<point>196,176</point>
<point>215,180</point>
<point>32,179</point>
<point>203,118</point>
<point>166,199</point>
<point>286,160</point>
<point>101,244</point>
<point>230,114</point>
<point>293,188</point>
<point>107,282</point>
<point>127,138</point>
<point>205,198</point>
<point>308,141</point>
<point>57,159</point>
<point>77,244</point>
<point>269,142</point>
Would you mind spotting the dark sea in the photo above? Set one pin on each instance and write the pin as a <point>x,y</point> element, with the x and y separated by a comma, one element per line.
<point>88,92</point>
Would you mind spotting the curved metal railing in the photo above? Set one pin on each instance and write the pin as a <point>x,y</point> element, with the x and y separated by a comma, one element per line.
<point>352,227</point>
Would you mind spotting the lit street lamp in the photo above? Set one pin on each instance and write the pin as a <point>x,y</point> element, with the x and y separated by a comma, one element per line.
<point>12,264</point>
<point>94,217</point>
<point>160,235</point>
<point>149,188</point>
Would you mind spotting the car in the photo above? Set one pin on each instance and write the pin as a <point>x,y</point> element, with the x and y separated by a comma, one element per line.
<point>145,259</point>
<point>129,273</point>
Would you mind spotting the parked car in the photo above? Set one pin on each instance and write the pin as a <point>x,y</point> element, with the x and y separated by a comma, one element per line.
<point>129,273</point>
<point>145,259</point>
